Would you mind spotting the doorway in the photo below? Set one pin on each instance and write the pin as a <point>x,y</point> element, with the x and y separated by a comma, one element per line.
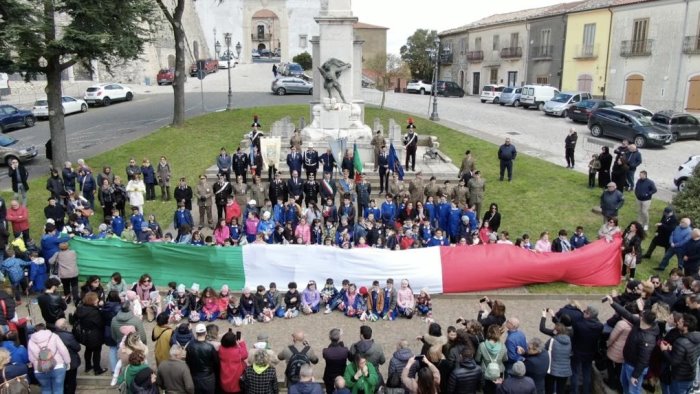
<point>476,83</point>
<point>633,89</point>
<point>512,78</point>
<point>693,94</point>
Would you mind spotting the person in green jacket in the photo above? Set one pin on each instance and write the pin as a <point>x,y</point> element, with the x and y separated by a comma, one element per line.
<point>361,376</point>
<point>137,363</point>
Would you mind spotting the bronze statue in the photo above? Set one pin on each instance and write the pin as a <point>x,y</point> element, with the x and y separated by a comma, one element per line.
<point>331,70</point>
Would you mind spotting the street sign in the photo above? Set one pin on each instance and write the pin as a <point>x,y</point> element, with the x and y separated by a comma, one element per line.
<point>201,71</point>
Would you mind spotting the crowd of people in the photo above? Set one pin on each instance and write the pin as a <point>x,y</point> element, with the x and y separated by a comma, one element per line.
<point>651,340</point>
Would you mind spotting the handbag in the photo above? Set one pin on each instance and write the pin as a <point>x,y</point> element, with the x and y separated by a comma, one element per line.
<point>630,260</point>
<point>16,385</point>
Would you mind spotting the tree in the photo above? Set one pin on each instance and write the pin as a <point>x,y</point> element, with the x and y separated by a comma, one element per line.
<point>386,70</point>
<point>687,203</point>
<point>174,17</point>
<point>49,36</point>
<point>416,53</point>
<point>304,60</point>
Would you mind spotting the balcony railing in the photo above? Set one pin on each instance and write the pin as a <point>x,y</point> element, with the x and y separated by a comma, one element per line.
<point>542,52</point>
<point>446,57</point>
<point>511,52</point>
<point>636,48</point>
<point>475,56</point>
<point>260,37</point>
<point>691,45</point>
<point>586,52</point>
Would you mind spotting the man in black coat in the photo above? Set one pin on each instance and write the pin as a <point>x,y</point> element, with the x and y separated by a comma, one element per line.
<point>664,228</point>
<point>336,356</point>
<point>278,188</point>
<point>222,191</point>
<point>506,155</point>
<point>295,188</point>
<point>638,347</point>
<point>61,330</point>
<point>183,193</point>
<point>682,355</point>
<point>18,175</point>
<point>51,304</point>
<point>691,258</point>
<point>466,377</point>
<point>587,332</point>
<point>241,161</point>
<point>203,361</point>
<point>311,190</point>
<point>311,161</point>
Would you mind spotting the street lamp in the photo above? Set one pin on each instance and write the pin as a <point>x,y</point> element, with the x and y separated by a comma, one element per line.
<point>217,48</point>
<point>434,116</point>
<point>227,37</point>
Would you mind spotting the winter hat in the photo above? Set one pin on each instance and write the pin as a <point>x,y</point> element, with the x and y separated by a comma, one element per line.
<point>181,288</point>
<point>195,287</point>
<point>131,295</point>
<point>363,291</point>
<point>102,227</point>
<point>200,329</point>
<point>668,209</point>
<point>252,202</point>
<point>224,289</point>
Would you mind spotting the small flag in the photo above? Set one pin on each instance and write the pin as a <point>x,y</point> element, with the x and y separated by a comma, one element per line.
<point>356,160</point>
<point>394,162</point>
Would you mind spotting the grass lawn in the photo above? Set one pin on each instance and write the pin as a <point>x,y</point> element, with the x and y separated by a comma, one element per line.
<point>543,196</point>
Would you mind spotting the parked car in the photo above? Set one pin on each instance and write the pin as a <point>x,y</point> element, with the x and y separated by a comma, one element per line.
<point>582,111</point>
<point>537,95</point>
<point>292,70</point>
<point>12,117</point>
<point>106,93</point>
<point>210,66</point>
<point>291,85</point>
<point>510,96</point>
<point>636,108</point>
<point>10,148</point>
<point>71,105</point>
<point>447,89</point>
<point>225,60</point>
<point>165,76</point>
<point>559,105</point>
<point>255,54</point>
<point>632,126</point>
<point>419,86</point>
<point>491,93</point>
<point>679,124</point>
<point>685,171</point>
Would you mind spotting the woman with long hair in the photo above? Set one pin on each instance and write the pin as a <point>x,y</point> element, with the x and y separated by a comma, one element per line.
<point>233,354</point>
<point>491,351</point>
<point>92,328</point>
<point>605,159</point>
<point>632,248</point>
<point>361,376</point>
<point>427,377</point>
<point>148,296</point>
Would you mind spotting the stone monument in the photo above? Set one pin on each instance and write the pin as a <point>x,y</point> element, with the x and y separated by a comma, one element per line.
<point>337,110</point>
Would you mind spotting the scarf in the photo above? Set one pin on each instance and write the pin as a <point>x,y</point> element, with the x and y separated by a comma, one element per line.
<point>259,369</point>
<point>144,293</point>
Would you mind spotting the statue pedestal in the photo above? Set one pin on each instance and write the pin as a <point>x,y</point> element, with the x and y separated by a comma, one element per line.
<point>333,119</point>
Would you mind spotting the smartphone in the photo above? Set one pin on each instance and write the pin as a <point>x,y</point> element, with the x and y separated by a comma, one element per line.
<point>604,299</point>
<point>482,300</point>
<point>419,357</point>
<point>238,335</point>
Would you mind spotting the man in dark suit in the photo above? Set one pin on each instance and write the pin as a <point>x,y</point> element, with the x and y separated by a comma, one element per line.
<point>295,188</point>
<point>294,160</point>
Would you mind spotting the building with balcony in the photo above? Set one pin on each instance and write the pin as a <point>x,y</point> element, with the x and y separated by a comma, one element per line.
<point>655,55</point>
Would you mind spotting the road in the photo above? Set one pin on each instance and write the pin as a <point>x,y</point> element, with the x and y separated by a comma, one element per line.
<point>102,129</point>
<point>536,134</point>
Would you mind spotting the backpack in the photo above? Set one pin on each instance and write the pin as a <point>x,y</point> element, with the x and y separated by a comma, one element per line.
<point>77,329</point>
<point>493,370</point>
<point>295,362</point>
<point>46,360</point>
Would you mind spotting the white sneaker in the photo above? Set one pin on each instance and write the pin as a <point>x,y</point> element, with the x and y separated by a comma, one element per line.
<point>114,381</point>
<point>327,311</point>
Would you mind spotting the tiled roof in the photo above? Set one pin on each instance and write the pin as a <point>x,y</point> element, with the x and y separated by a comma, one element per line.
<point>541,12</point>
<point>362,25</point>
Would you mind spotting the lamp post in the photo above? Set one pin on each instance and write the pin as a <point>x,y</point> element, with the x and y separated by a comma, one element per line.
<point>434,116</point>
<point>227,37</point>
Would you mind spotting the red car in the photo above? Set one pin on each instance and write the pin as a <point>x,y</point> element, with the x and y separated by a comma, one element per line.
<point>165,76</point>
<point>210,66</point>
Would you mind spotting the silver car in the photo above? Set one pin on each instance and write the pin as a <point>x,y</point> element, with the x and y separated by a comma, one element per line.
<point>511,96</point>
<point>291,85</point>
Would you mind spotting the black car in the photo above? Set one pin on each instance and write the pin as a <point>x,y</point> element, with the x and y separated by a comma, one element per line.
<point>632,126</point>
<point>447,89</point>
<point>679,124</point>
<point>580,112</point>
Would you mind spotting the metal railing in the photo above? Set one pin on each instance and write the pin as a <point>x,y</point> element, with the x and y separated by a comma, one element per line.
<point>475,56</point>
<point>636,48</point>
<point>542,52</point>
<point>511,52</point>
<point>260,37</point>
<point>691,45</point>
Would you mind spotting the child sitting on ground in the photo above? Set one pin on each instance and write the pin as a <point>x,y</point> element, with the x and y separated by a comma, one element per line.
<point>424,305</point>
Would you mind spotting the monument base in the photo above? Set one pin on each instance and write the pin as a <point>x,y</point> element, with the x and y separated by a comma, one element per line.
<point>334,120</point>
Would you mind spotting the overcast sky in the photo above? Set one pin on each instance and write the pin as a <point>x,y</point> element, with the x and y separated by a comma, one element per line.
<point>404,17</point>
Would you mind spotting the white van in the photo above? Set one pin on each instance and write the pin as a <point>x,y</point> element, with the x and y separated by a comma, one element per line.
<point>537,95</point>
<point>4,85</point>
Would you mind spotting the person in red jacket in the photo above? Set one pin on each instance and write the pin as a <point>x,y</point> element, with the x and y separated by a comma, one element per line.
<point>233,354</point>
<point>19,217</point>
<point>233,210</point>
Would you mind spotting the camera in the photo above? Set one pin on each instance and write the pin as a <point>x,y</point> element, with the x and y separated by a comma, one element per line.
<point>483,299</point>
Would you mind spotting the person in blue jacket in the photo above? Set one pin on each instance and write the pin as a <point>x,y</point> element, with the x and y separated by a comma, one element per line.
<point>430,208</point>
<point>443,213</point>
<point>149,179</point>
<point>388,211</point>
<point>372,209</point>
<point>439,239</point>
<point>117,223</point>
<point>50,241</point>
<point>136,220</point>
<point>454,222</point>
<point>13,268</point>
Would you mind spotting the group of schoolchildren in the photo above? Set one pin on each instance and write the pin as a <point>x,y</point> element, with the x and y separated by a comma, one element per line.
<point>375,303</point>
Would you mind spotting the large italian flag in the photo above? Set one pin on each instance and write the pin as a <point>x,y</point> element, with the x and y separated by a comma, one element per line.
<point>440,269</point>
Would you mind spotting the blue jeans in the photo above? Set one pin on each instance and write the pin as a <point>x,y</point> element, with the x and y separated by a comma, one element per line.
<point>51,382</point>
<point>586,368</point>
<point>680,387</point>
<point>113,357</point>
<point>627,387</point>
<point>423,309</point>
<point>670,252</point>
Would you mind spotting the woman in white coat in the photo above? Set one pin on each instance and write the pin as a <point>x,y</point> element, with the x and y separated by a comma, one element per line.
<point>135,190</point>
